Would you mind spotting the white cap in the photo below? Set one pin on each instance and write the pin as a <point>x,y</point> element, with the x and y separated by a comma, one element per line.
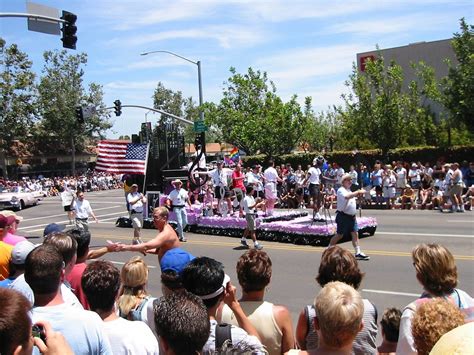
<point>21,251</point>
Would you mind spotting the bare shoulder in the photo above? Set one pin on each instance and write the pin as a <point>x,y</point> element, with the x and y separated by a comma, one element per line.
<point>281,314</point>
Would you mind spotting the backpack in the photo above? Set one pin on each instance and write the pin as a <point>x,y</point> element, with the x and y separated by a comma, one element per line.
<point>222,334</point>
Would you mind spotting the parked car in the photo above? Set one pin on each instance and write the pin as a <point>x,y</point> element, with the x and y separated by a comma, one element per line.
<point>11,199</point>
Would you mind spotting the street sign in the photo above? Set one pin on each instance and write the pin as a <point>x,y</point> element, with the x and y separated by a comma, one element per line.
<point>200,126</point>
<point>40,25</point>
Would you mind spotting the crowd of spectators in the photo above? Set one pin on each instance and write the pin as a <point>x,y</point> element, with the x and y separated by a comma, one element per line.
<point>53,186</point>
<point>94,308</point>
<point>399,184</point>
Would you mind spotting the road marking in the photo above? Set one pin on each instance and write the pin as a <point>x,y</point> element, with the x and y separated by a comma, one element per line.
<point>281,246</point>
<point>460,221</point>
<point>426,234</point>
<point>62,214</point>
<point>122,263</point>
<point>392,293</point>
<point>28,228</point>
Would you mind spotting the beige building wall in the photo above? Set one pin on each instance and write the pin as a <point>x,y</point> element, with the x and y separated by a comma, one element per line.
<point>432,53</point>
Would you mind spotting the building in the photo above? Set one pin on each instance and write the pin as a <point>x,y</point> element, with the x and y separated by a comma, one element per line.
<point>432,53</point>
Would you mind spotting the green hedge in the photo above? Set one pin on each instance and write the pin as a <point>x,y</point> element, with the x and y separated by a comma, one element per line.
<point>368,157</point>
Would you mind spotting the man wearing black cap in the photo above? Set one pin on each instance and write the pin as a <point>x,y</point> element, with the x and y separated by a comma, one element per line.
<point>136,200</point>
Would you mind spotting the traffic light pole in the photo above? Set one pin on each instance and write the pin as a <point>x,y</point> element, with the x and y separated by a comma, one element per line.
<point>181,119</point>
<point>32,16</point>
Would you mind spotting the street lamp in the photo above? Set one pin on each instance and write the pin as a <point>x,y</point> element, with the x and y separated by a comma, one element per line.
<point>198,63</point>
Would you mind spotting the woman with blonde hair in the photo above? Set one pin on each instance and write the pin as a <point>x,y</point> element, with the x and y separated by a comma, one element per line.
<point>437,272</point>
<point>134,302</point>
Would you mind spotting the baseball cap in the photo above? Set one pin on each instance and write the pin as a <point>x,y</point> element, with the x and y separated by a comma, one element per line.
<point>175,259</point>
<point>20,252</point>
<point>6,221</point>
<point>177,181</point>
<point>134,185</point>
<point>218,291</point>
<point>53,227</point>
<point>7,213</point>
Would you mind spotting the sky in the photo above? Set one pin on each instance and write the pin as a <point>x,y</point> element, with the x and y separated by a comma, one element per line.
<point>306,47</point>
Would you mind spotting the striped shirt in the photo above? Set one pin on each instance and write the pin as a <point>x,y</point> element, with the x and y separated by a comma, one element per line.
<point>364,342</point>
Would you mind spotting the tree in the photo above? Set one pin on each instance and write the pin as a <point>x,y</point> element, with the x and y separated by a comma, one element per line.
<point>17,95</point>
<point>61,90</point>
<point>380,113</point>
<point>459,84</point>
<point>253,118</point>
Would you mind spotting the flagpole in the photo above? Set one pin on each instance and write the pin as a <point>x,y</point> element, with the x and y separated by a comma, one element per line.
<point>146,166</point>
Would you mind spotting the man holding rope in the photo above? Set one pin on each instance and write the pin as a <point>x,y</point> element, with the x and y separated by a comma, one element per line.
<point>346,215</point>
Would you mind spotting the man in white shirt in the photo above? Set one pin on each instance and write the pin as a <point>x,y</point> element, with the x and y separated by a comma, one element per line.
<point>82,209</point>
<point>271,179</point>
<point>101,284</point>
<point>67,198</point>
<point>346,216</point>
<point>135,201</point>
<point>249,205</point>
<point>44,271</point>
<point>221,189</point>
<point>254,178</point>
<point>176,202</point>
<point>314,179</point>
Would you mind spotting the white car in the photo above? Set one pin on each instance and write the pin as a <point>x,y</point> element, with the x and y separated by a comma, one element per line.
<point>9,199</point>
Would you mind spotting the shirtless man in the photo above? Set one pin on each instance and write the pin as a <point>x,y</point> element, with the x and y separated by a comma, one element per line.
<point>165,240</point>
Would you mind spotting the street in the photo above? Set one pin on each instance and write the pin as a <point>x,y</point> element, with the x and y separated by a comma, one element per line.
<point>389,280</point>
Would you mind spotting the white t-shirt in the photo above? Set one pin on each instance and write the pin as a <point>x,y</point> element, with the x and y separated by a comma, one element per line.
<point>314,174</point>
<point>401,175</point>
<point>129,337</point>
<point>82,208</point>
<point>240,340</point>
<point>137,206</point>
<point>339,174</point>
<point>178,197</point>
<point>414,174</point>
<point>66,197</point>
<point>247,202</point>
<point>219,177</point>
<point>348,206</point>
<point>83,329</point>
<point>254,179</point>
<point>271,175</point>
<point>22,286</point>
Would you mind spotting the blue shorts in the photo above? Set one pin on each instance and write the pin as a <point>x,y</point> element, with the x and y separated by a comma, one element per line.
<point>346,223</point>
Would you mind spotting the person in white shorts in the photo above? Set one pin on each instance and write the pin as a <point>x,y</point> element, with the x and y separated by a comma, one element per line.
<point>136,200</point>
<point>271,179</point>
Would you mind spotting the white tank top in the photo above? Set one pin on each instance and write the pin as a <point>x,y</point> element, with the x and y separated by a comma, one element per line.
<point>260,314</point>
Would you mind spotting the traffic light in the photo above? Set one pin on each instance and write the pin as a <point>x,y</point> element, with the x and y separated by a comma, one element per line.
<point>69,30</point>
<point>79,114</point>
<point>118,107</point>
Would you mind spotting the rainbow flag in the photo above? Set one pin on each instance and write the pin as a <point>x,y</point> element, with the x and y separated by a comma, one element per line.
<point>228,161</point>
<point>234,154</point>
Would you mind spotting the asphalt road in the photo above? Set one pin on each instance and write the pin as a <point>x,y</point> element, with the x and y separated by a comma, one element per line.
<point>389,281</point>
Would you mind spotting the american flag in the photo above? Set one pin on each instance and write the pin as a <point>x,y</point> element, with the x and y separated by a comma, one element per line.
<point>122,157</point>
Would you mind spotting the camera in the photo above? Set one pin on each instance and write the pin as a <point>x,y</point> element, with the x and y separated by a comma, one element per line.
<point>38,332</point>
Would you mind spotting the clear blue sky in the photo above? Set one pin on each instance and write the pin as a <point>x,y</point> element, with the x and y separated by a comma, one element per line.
<point>306,47</point>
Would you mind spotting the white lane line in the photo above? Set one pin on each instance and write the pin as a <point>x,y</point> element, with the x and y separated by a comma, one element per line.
<point>426,234</point>
<point>62,214</point>
<point>28,229</point>
<point>392,293</point>
<point>122,263</point>
<point>460,221</point>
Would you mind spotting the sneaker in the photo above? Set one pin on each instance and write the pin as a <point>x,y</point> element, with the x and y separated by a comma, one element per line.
<point>362,256</point>
<point>136,241</point>
<point>244,243</point>
<point>183,239</point>
<point>258,246</point>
